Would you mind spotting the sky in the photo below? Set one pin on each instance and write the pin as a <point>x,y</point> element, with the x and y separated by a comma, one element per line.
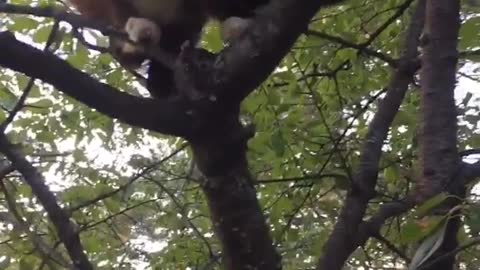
<point>95,149</point>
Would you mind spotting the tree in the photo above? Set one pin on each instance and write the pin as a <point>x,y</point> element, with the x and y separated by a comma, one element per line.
<point>360,144</point>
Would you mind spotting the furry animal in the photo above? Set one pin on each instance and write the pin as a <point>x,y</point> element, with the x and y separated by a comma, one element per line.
<point>166,23</point>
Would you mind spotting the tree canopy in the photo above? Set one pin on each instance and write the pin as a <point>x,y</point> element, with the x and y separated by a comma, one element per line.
<point>332,135</point>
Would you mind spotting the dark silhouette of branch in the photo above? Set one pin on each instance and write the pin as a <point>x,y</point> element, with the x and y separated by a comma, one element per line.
<point>345,237</point>
<point>472,242</point>
<point>309,177</point>
<point>465,54</point>
<point>468,152</point>
<point>5,169</point>
<point>372,226</point>
<point>184,213</point>
<point>60,220</point>
<point>362,49</point>
<point>168,117</point>
<point>116,214</point>
<point>238,219</point>
<point>439,129</point>
<point>401,9</point>
<point>257,52</point>
<point>472,77</point>
<point>79,36</point>
<point>134,178</point>
<point>231,76</point>
<point>31,82</point>
<point>440,163</point>
<point>470,172</point>
<point>392,247</point>
<point>275,30</point>
<point>47,253</point>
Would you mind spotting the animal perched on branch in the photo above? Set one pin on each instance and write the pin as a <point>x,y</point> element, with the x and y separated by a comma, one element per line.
<point>166,23</point>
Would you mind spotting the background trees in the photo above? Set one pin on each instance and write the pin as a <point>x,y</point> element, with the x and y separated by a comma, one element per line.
<point>359,158</point>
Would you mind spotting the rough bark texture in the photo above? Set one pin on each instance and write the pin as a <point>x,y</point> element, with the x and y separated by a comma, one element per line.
<point>439,123</point>
<point>346,236</point>
<point>208,118</point>
<point>61,221</point>
<point>439,157</point>
<point>236,215</point>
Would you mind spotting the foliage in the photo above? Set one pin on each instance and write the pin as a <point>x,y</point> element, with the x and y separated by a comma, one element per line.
<point>311,117</point>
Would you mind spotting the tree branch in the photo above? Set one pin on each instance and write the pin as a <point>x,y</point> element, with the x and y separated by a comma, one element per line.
<point>21,223</point>
<point>31,82</point>
<point>401,9</point>
<point>61,221</point>
<point>470,172</point>
<point>241,67</point>
<point>439,130</point>
<point>257,52</point>
<point>362,48</point>
<point>470,243</point>
<point>440,162</point>
<point>345,239</point>
<point>168,117</point>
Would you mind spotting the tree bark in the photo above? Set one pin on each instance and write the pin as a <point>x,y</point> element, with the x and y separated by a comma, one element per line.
<point>439,157</point>
<point>349,232</point>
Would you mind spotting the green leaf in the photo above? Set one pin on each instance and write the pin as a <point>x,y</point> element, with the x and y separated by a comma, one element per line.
<point>286,75</point>
<point>112,205</point>
<point>414,230</point>
<point>404,118</point>
<point>391,174</point>
<point>44,103</point>
<point>46,136</point>
<point>473,218</point>
<point>42,34</point>
<point>273,98</point>
<point>27,262</point>
<point>469,33</point>
<point>428,247</point>
<point>278,143</point>
<point>212,39</point>
<point>342,182</point>
<point>8,100</point>
<point>431,203</point>
<point>41,106</point>
<point>115,77</point>
<point>93,244</point>
<point>79,58</point>
<point>23,23</point>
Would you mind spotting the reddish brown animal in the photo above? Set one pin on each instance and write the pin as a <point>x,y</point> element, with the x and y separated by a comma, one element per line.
<point>166,23</point>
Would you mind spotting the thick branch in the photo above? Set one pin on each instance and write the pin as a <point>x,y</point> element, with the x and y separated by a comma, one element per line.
<point>61,221</point>
<point>241,67</point>
<point>344,238</point>
<point>236,214</point>
<point>31,82</point>
<point>438,138</point>
<point>237,71</point>
<point>440,162</point>
<point>168,117</point>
